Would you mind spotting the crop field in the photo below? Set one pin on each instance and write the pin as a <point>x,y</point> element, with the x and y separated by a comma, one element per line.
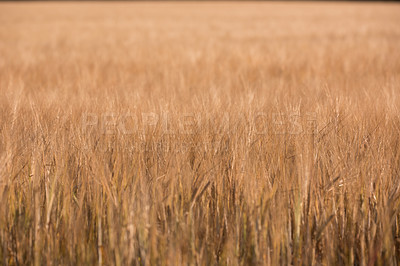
<point>199,133</point>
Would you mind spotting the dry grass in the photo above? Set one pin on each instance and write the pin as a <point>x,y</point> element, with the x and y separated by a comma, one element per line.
<point>199,133</point>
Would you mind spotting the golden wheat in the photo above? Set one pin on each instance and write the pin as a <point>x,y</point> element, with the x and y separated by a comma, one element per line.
<point>199,133</point>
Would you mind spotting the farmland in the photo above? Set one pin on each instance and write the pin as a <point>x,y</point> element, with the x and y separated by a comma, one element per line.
<point>177,133</point>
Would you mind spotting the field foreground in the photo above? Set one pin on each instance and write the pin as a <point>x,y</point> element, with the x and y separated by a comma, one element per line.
<point>199,133</point>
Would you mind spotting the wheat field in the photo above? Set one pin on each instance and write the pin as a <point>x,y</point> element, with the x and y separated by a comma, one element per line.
<point>187,133</point>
